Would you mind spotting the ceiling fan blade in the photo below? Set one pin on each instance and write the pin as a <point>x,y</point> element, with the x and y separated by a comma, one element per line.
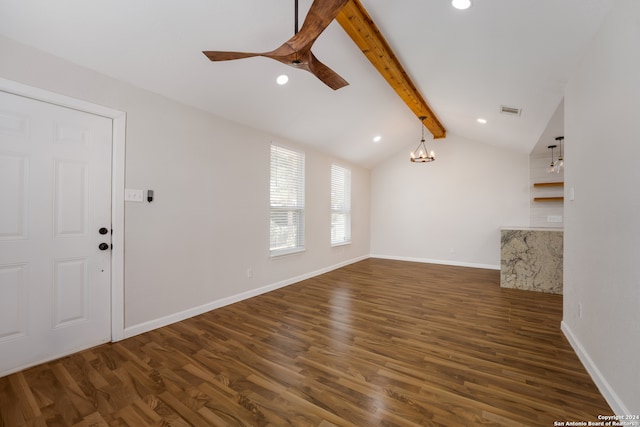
<point>325,74</point>
<point>320,15</point>
<point>228,56</point>
<point>307,61</point>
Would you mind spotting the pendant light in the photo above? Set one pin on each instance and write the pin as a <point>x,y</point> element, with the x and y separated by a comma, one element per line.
<point>421,154</point>
<point>552,165</point>
<point>559,164</point>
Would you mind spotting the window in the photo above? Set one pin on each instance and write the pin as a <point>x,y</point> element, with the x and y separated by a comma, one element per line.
<point>340,205</point>
<point>287,201</point>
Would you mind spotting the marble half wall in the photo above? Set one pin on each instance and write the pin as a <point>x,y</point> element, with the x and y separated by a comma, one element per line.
<point>531,259</point>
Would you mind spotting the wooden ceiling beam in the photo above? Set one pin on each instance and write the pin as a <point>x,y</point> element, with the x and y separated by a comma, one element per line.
<point>357,23</point>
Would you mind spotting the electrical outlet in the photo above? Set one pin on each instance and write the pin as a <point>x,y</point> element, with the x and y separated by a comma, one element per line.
<point>131,195</point>
<point>554,218</point>
<point>249,272</point>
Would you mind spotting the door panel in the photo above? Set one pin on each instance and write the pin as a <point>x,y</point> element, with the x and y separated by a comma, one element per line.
<point>70,198</point>
<point>12,301</point>
<point>14,196</point>
<point>55,194</point>
<point>69,292</point>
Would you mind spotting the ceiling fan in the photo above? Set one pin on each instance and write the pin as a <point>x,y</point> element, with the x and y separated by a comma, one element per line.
<point>296,51</point>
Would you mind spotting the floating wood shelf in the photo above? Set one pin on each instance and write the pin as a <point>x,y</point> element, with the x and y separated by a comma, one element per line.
<point>548,184</point>
<point>548,199</point>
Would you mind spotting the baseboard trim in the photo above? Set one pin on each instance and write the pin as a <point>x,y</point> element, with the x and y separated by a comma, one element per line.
<point>603,385</point>
<point>438,261</point>
<point>191,312</point>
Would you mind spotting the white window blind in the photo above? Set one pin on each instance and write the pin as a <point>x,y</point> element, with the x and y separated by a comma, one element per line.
<point>340,205</point>
<point>287,201</point>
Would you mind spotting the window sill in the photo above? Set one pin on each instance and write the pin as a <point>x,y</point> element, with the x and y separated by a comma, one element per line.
<point>335,245</point>
<point>285,252</point>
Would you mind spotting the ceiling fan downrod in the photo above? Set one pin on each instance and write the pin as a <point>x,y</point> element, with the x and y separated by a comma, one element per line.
<point>295,29</point>
<point>296,62</point>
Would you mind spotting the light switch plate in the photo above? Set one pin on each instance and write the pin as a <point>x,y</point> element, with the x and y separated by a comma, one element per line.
<point>131,195</point>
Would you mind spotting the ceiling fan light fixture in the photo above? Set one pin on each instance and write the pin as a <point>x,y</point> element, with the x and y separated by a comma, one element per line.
<point>461,4</point>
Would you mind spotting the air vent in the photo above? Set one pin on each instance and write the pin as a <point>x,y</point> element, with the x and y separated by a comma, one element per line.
<point>510,110</point>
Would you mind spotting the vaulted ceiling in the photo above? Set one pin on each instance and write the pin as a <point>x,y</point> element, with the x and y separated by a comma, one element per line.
<point>466,64</point>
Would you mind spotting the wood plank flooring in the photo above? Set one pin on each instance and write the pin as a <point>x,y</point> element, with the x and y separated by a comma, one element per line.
<point>376,343</point>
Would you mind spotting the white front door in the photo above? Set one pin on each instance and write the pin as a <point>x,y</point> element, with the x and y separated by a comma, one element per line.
<point>55,196</point>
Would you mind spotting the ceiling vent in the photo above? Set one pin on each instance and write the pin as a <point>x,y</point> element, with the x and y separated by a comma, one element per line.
<point>510,110</point>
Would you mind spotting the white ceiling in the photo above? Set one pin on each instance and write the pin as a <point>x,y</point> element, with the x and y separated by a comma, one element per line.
<point>517,53</point>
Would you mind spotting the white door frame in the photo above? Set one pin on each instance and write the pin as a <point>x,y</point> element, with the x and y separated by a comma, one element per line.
<point>119,120</point>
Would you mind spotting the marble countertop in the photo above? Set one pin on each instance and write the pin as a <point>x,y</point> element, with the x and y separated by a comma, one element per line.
<point>531,259</point>
<point>532,228</point>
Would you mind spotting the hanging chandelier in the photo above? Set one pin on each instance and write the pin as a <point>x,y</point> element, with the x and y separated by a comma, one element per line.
<point>421,154</point>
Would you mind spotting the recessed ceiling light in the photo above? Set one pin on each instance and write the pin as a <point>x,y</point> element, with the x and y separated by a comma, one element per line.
<point>483,121</point>
<point>282,79</point>
<point>377,138</point>
<point>461,4</point>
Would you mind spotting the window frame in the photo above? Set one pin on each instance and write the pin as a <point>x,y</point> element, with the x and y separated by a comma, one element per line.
<point>341,207</point>
<point>279,209</point>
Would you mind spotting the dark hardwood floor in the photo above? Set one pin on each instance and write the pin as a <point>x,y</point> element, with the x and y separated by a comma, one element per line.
<point>377,343</point>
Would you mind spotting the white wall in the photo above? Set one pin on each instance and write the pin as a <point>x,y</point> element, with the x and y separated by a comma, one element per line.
<point>602,225</point>
<point>190,249</point>
<point>449,211</point>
